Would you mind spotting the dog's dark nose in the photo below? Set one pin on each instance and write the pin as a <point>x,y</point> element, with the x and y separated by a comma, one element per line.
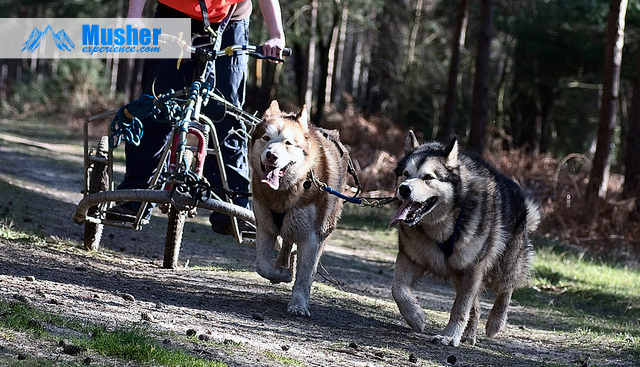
<point>404,191</point>
<point>271,158</point>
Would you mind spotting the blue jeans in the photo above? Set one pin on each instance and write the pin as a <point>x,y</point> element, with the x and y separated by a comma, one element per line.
<point>161,75</point>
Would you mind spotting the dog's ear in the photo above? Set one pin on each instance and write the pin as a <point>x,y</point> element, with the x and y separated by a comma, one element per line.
<point>303,117</point>
<point>451,153</point>
<point>411,143</point>
<point>274,109</point>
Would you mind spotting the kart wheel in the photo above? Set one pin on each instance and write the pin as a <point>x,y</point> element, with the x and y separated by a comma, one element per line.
<point>98,181</point>
<point>175,228</point>
<point>173,242</point>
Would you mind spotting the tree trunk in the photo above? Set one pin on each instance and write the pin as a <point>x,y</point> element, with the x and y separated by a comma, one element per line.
<point>323,64</point>
<point>4,81</point>
<point>446,130</point>
<point>300,67</point>
<point>115,62</point>
<point>387,57</point>
<point>632,157</point>
<point>338,84</point>
<point>480,110</point>
<point>331,53</point>
<point>599,177</point>
<point>417,17</point>
<point>313,27</point>
<point>360,77</point>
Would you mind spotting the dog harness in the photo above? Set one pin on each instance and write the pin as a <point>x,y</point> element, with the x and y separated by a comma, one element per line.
<point>278,218</point>
<point>447,246</point>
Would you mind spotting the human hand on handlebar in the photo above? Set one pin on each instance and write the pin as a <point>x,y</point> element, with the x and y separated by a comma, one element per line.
<point>273,48</point>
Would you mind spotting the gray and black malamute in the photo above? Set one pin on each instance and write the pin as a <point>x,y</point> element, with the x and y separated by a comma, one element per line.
<point>461,220</point>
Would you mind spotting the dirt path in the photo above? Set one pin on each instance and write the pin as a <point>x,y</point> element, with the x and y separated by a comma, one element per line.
<point>240,316</point>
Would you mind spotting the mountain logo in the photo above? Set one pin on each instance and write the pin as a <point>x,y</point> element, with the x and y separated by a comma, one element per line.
<point>61,39</point>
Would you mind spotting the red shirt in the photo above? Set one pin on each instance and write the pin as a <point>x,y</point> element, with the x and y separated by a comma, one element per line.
<point>217,9</point>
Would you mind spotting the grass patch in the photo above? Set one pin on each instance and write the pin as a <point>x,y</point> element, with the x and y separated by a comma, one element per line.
<point>55,131</point>
<point>9,232</point>
<point>134,344</point>
<point>31,238</point>
<point>20,317</point>
<point>596,301</point>
<point>589,288</point>
<point>127,344</point>
<point>282,360</point>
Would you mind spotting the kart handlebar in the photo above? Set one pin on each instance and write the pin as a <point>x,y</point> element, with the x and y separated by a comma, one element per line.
<point>255,51</point>
<point>286,52</point>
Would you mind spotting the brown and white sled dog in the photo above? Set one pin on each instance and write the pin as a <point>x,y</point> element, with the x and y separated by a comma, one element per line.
<point>284,149</point>
<point>460,220</point>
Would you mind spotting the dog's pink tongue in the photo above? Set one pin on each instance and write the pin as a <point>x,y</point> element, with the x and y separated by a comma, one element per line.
<point>403,212</point>
<point>271,177</point>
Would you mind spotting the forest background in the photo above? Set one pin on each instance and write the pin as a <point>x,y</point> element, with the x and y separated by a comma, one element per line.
<point>547,90</point>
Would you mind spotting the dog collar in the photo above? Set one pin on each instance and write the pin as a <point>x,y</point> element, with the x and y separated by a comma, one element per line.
<point>447,246</point>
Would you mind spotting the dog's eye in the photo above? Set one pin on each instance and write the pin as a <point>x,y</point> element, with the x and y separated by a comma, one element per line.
<point>287,142</point>
<point>428,177</point>
<point>266,138</point>
<point>405,174</point>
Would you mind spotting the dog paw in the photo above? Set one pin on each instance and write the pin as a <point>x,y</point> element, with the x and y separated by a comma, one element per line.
<point>282,275</point>
<point>297,309</point>
<point>276,274</point>
<point>469,340</point>
<point>445,340</point>
<point>469,335</point>
<point>416,319</point>
<point>493,327</point>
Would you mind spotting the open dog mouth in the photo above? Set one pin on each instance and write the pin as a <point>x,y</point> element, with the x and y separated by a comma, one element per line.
<point>271,174</point>
<point>411,211</point>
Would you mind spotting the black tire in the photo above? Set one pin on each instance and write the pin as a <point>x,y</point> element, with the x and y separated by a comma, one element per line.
<point>175,229</point>
<point>98,181</point>
<point>173,241</point>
